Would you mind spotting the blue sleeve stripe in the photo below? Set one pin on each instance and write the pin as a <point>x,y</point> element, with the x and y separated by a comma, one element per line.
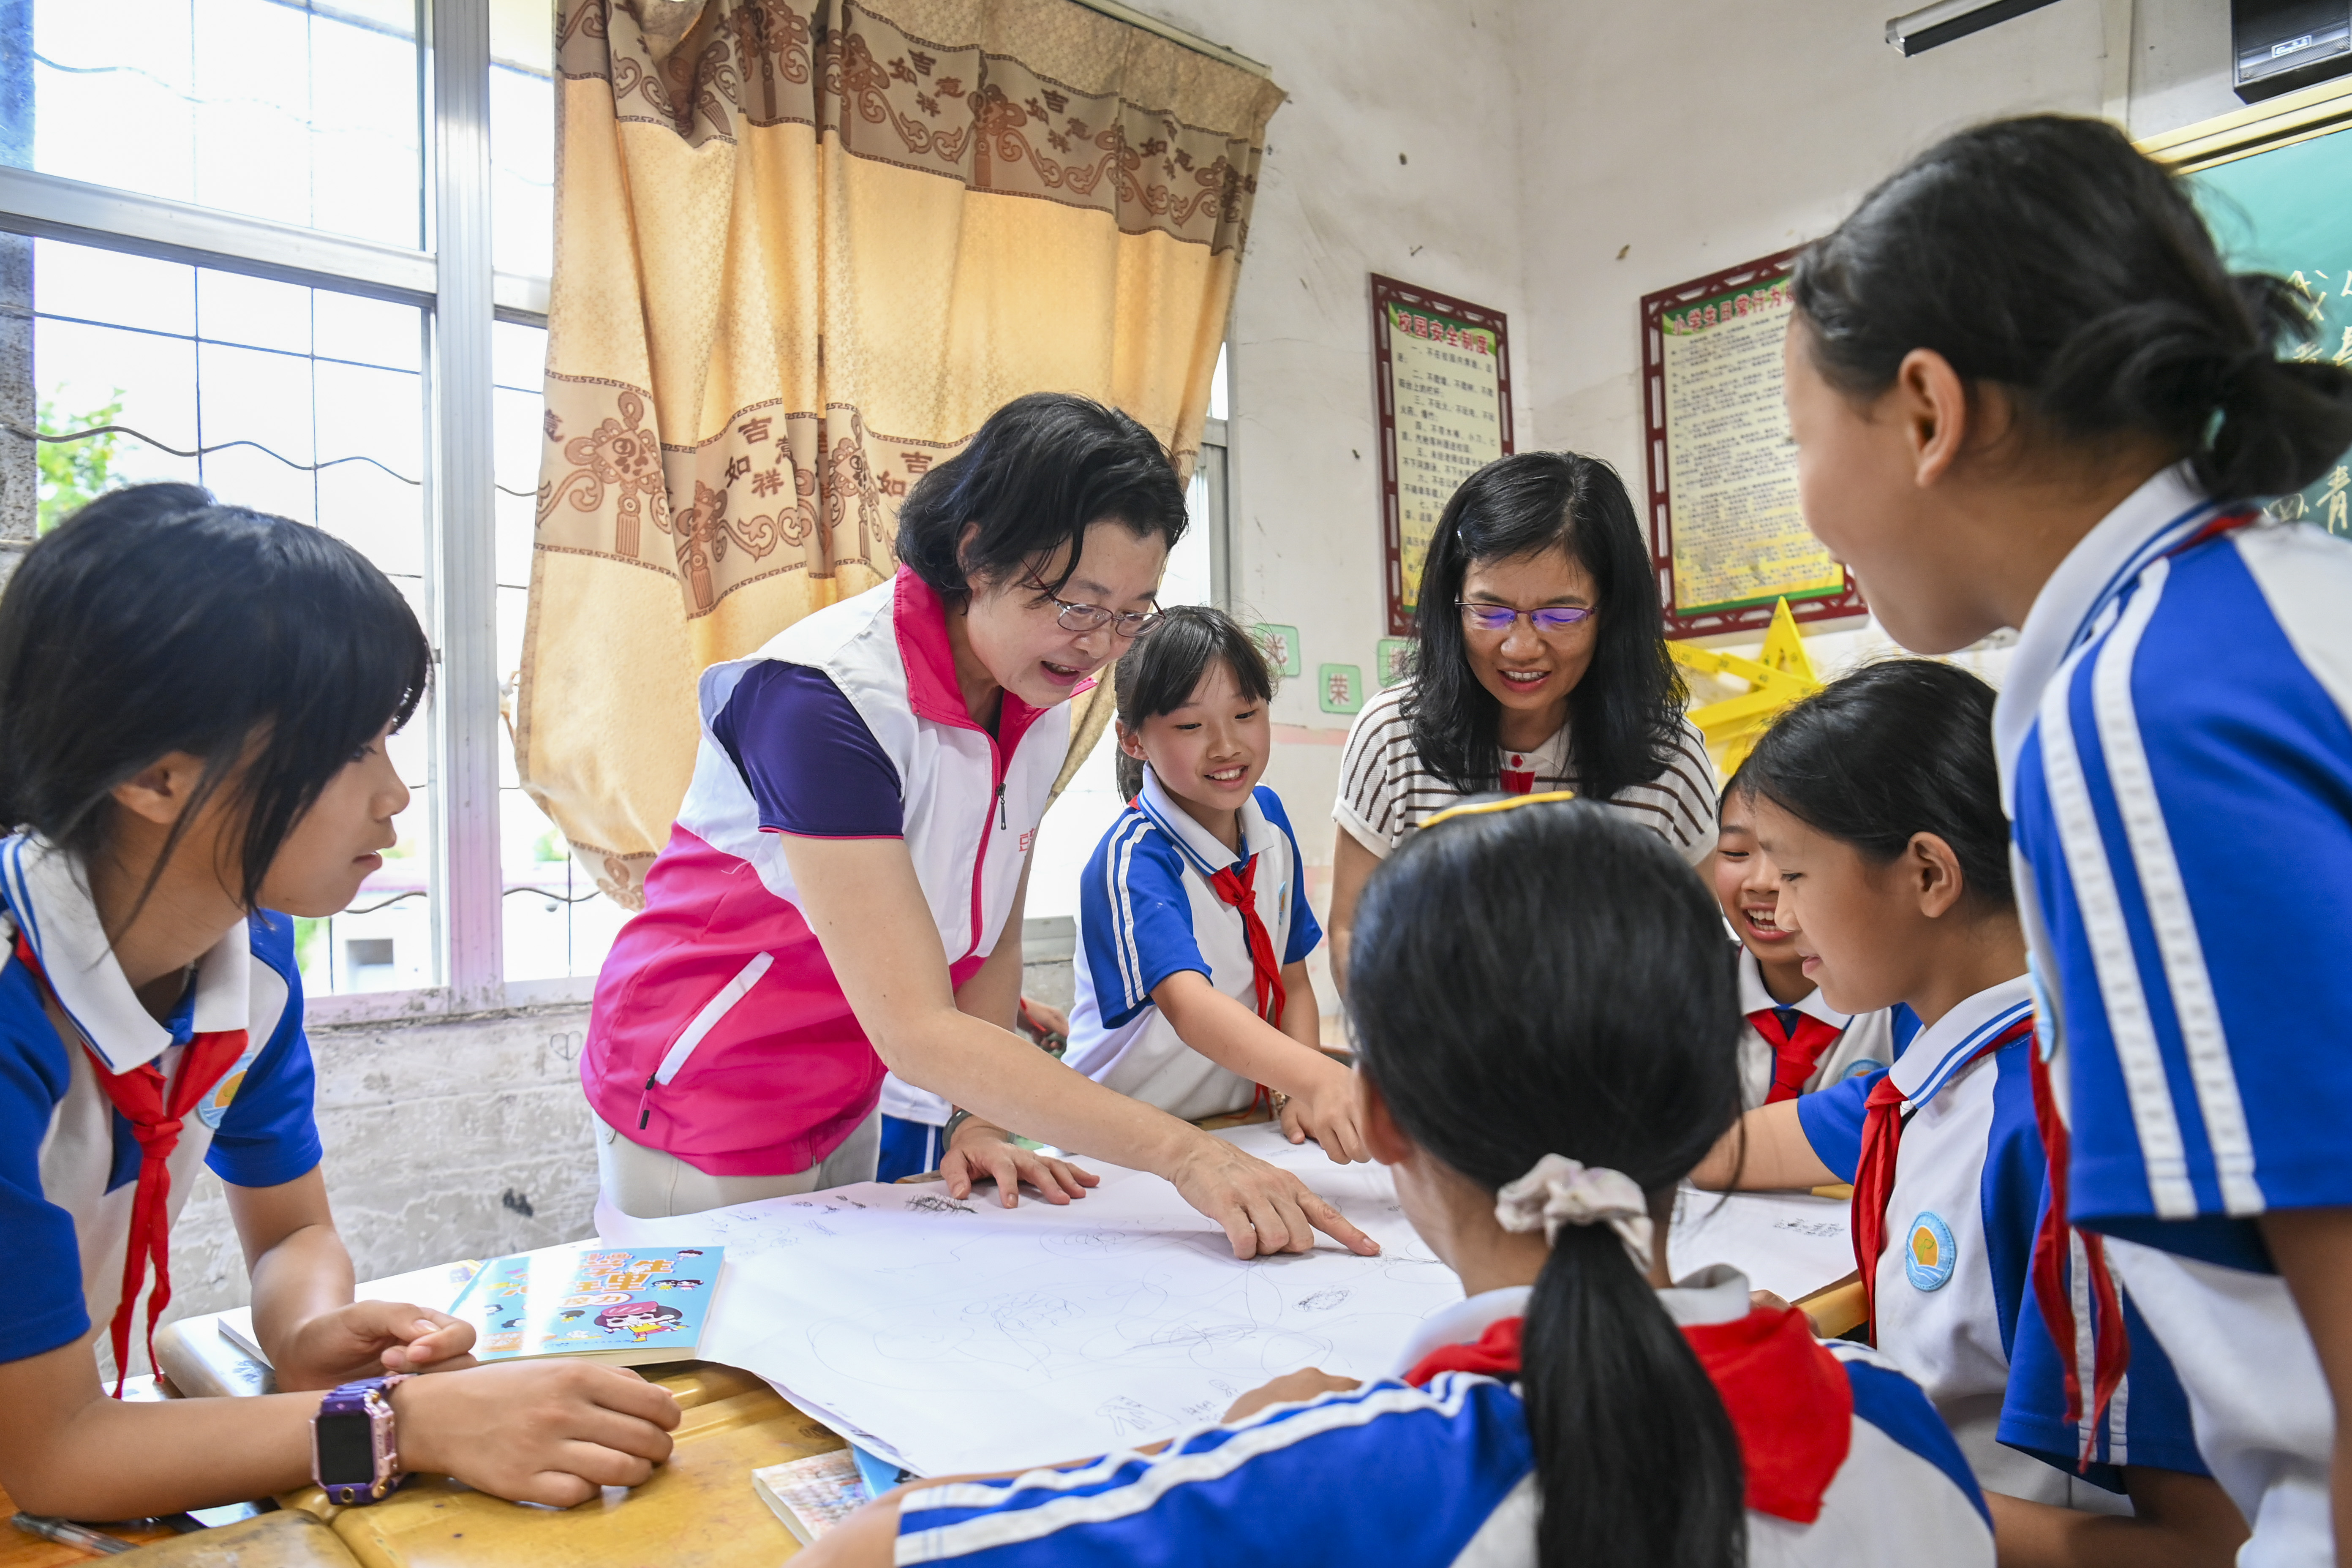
<point>1305,932</point>
<point>2100,906</point>
<point>2014,1187</point>
<point>1895,1406</point>
<point>2166,895</point>
<point>1116,866</point>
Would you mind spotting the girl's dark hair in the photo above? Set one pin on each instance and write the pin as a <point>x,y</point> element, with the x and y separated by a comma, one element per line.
<point>2045,254</point>
<point>1896,748</point>
<point>156,620</point>
<point>1040,470</point>
<point>1625,715</point>
<point>1550,979</point>
<point>1160,669</point>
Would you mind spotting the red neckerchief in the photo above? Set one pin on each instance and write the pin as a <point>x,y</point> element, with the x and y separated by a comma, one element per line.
<point>156,1111</point>
<point>1795,1053</point>
<point>1788,1398</point>
<point>1233,886</point>
<point>1873,1175</point>
<point>2110,1339</point>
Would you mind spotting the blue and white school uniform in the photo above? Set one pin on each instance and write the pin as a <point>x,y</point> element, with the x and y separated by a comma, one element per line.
<point>1866,1042</point>
<point>1951,1285</point>
<point>1146,911</point>
<point>68,1163</point>
<point>2177,760</point>
<point>1439,1468</point>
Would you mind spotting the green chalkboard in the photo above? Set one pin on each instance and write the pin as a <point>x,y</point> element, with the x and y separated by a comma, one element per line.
<point>2288,210</point>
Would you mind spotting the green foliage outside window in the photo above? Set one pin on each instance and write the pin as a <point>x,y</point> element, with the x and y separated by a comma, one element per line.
<point>73,473</point>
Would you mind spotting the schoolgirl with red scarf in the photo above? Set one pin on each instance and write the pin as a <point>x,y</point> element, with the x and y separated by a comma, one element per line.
<point>1877,806</point>
<point>1547,1041</point>
<point>195,705</point>
<point>1194,924</point>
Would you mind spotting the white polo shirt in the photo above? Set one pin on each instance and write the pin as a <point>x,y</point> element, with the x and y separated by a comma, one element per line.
<point>68,1163</point>
<point>1867,1042</point>
<point>1147,910</point>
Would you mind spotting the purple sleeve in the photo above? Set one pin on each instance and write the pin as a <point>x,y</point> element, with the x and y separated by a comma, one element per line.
<point>813,766</point>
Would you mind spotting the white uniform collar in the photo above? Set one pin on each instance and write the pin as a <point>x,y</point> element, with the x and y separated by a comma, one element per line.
<point>1462,1324</point>
<point>1936,1055</point>
<point>1754,998</point>
<point>1547,761</point>
<point>1198,843</point>
<point>1718,1294</point>
<point>2152,520</point>
<point>45,894</point>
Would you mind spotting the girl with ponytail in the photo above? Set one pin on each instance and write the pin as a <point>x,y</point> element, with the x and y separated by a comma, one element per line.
<point>2027,392</point>
<point>1547,1031</point>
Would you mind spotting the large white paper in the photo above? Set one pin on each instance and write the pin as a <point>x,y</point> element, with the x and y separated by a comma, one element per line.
<point>953,1335</point>
<point>1790,1244</point>
<point>959,1335</point>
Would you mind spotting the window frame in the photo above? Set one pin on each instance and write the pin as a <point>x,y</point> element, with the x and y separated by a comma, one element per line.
<point>454,283</point>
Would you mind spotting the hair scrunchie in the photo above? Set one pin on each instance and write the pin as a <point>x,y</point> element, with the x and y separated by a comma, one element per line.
<point>1558,1191</point>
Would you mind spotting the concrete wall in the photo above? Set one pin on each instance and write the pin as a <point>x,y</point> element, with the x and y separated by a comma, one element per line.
<point>1539,138</point>
<point>466,1139</point>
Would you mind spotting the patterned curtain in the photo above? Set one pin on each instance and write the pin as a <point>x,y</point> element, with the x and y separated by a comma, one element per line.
<point>801,255</point>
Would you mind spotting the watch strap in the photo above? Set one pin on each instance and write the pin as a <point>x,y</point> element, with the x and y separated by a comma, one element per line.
<point>370,1397</point>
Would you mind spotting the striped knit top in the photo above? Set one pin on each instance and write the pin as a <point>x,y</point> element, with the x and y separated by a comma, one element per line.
<point>1385,789</point>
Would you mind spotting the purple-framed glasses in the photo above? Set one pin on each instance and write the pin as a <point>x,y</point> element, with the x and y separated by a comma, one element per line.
<point>1551,619</point>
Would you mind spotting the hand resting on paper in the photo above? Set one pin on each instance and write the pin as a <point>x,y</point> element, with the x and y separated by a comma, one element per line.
<point>1264,1208</point>
<point>984,1152</point>
<point>1290,1388</point>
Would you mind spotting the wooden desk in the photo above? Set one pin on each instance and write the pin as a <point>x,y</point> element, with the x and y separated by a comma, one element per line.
<point>697,1511</point>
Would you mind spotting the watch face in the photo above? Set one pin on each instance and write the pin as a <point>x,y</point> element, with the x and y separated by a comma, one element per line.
<point>346,1449</point>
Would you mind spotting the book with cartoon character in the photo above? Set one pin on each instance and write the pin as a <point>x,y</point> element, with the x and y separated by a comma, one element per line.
<point>626,1305</point>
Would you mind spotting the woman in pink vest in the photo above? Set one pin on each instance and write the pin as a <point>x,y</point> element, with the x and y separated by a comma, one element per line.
<point>842,894</point>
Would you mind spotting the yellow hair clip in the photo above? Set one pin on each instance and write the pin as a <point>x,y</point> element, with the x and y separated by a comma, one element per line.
<point>1512,804</point>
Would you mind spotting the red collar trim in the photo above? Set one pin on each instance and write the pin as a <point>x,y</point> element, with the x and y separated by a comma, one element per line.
<point>1788,1398</point>
<point>920,617</point>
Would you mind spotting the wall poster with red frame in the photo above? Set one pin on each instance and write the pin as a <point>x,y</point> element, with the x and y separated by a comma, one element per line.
<point>1441,377</point>
<point>1727,539</point>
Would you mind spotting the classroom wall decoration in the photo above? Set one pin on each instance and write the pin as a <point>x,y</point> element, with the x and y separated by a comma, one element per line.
<point>2270,182</point>
<point>1339,687</point>
<point>1442,382</point>
<point>1280,644</point>
<point>1727,536</point>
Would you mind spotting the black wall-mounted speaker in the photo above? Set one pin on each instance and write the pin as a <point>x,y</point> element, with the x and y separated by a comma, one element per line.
<point>2277,46</point>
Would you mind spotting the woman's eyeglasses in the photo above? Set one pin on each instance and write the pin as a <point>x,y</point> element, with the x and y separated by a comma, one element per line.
<point>1502,618</point>
<point>1129,624</point>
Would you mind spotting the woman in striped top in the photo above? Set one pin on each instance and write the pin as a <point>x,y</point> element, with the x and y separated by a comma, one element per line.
<point>1542,665</point>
